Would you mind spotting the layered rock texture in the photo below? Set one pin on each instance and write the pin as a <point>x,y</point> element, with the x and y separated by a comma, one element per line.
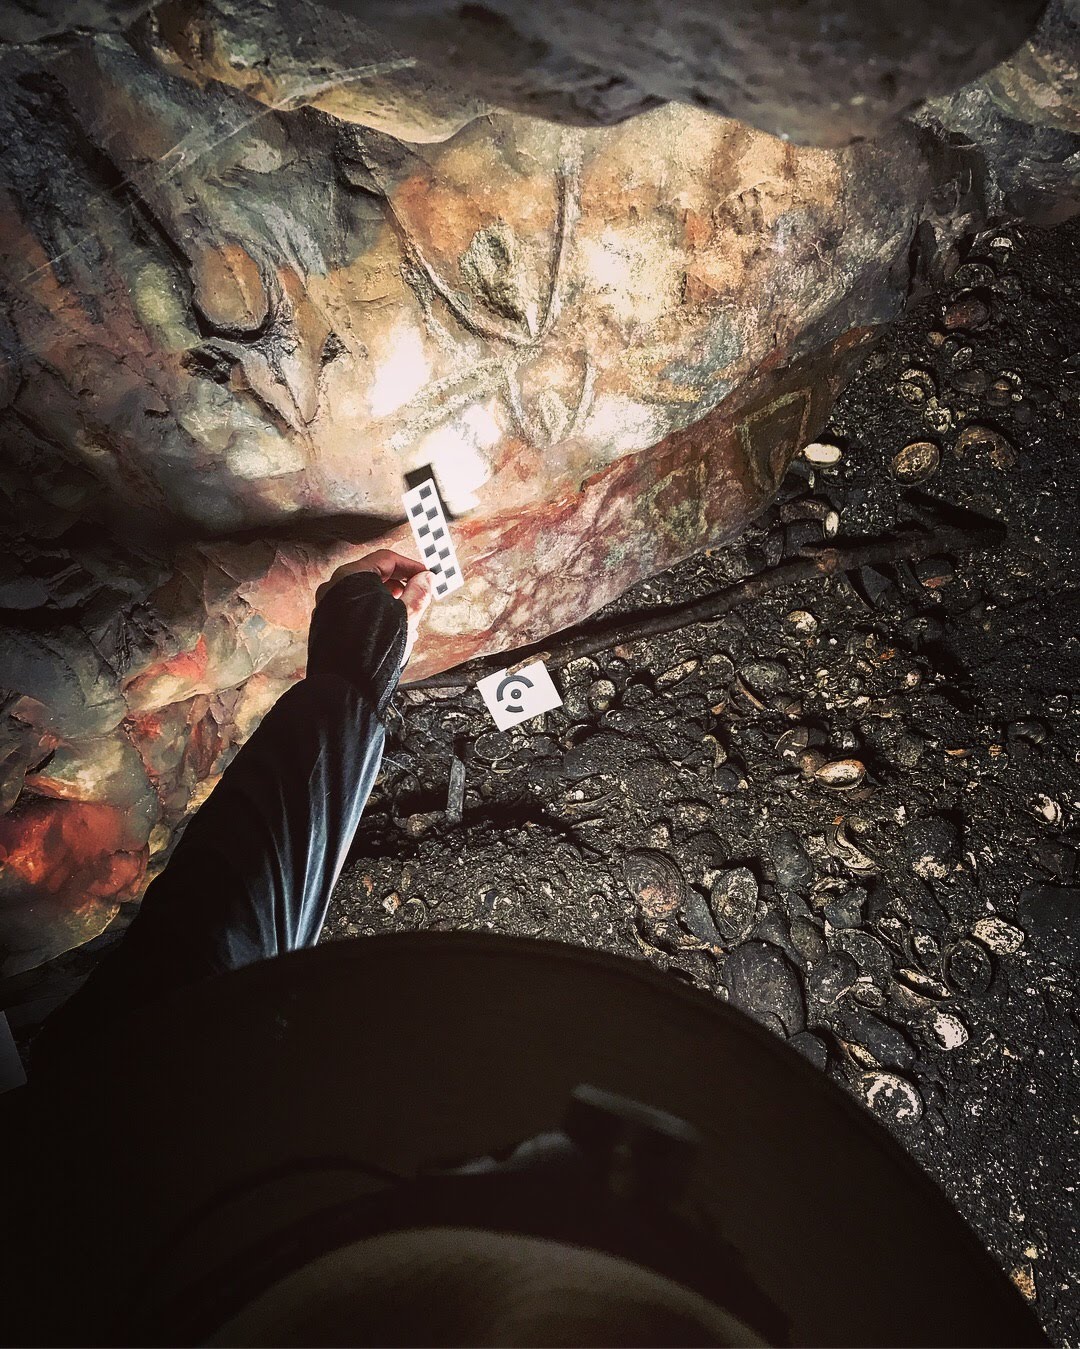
<point>259,264</point>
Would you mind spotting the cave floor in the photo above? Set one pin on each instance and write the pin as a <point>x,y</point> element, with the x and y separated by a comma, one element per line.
<point>917,933</point>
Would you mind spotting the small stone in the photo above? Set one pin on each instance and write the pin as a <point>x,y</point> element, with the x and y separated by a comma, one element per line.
<point>794,870</point>
<point>811,1047</point>
<point>1024,1278</point>
<point>966,311</point>
<point>886,1046</point>
<point>416,826</point>
<point>807,939</point>
<point>946,1030</point>
<point>822,454</point>
<point>1046,808</point>
<point>841,774</point>
<point>676,673</point>
<point>831,977</point>
<point>984,440</point>
<point>793,743</point>
<point>762,982</point>
<point>1001,937</point>
<point>802,620</point>
<point>932,845</point>
<point>916,462</point>
<point>733,900</point>
<point>892,1097</point>
<point>765,676</point>
<point>934,572</point>
<point>966,968</point>
<point>654,881</point>
<point>718,668</point>
<point>916,386</point>
<point>601,695</point>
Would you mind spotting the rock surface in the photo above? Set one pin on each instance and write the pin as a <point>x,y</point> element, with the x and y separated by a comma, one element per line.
<point>229,330</point>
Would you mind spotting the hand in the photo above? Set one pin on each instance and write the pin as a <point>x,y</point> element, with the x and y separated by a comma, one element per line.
<point>406,579</point>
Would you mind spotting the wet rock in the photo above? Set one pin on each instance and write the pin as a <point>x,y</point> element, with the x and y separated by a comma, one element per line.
<point>733,900</point>
<point>794,869</point>
<point>869,952</point>
<point>599,753</point>
<point>655,883</point>
<point>699,921</point>
<point>761,981</point>
<point>846,910</point>
<point>892,1097</point>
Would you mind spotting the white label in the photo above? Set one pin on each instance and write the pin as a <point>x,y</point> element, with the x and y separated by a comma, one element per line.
<point>432,534</point>
<point>514,698</point>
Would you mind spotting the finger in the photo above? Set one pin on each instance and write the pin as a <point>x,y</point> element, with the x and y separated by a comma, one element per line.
<point>417,595</point>
<point>390,566</point>
<point>392,569</point>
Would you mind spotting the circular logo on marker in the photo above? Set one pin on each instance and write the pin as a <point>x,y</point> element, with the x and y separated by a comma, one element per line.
<point>511,698</point>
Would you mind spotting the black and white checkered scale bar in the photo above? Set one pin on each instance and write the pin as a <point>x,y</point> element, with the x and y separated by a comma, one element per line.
<point>425,512</point>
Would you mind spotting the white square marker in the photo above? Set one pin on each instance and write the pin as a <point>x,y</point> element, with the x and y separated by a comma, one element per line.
<point>432,534</point>
<point>514,698</point>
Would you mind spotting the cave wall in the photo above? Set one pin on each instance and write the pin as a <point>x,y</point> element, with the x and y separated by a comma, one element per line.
<point>256,265</point>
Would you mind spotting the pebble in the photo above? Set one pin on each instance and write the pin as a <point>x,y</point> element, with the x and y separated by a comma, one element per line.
<point>761,981</point>
<point>802,620</point>
<point>966,311</point>
<point>946,1030</point>
<point>811,1047</point>
<point>822,454</point>
<point>984,440</point>
<point>794,870</point>
<point>892,1097</point>
<point>841,774</point>
<point>916,386</point>
<point>916,462</point>
<point>676,673</point>
<point>1046,808</point>
<point>807,939</point>
<point>966,968</point>
<point>416,826</point>
<point>934,572</point>
<point>733,900</point>
<point>601,695</point>
<point>831,977</point>
<point>655,882</point>
<point>999,936</point>
<point>886,1046</point>
<point>932,845</point>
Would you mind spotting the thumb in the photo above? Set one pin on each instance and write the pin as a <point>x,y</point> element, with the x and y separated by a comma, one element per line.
<point>417,595</point>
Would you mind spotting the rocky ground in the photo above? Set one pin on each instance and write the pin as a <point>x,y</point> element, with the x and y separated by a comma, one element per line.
<point>851,806</point>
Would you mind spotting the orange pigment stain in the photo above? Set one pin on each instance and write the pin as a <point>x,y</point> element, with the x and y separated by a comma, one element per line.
<point>70,850</point>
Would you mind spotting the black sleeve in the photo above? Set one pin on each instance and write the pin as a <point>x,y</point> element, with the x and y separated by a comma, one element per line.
<point>252,874</point>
